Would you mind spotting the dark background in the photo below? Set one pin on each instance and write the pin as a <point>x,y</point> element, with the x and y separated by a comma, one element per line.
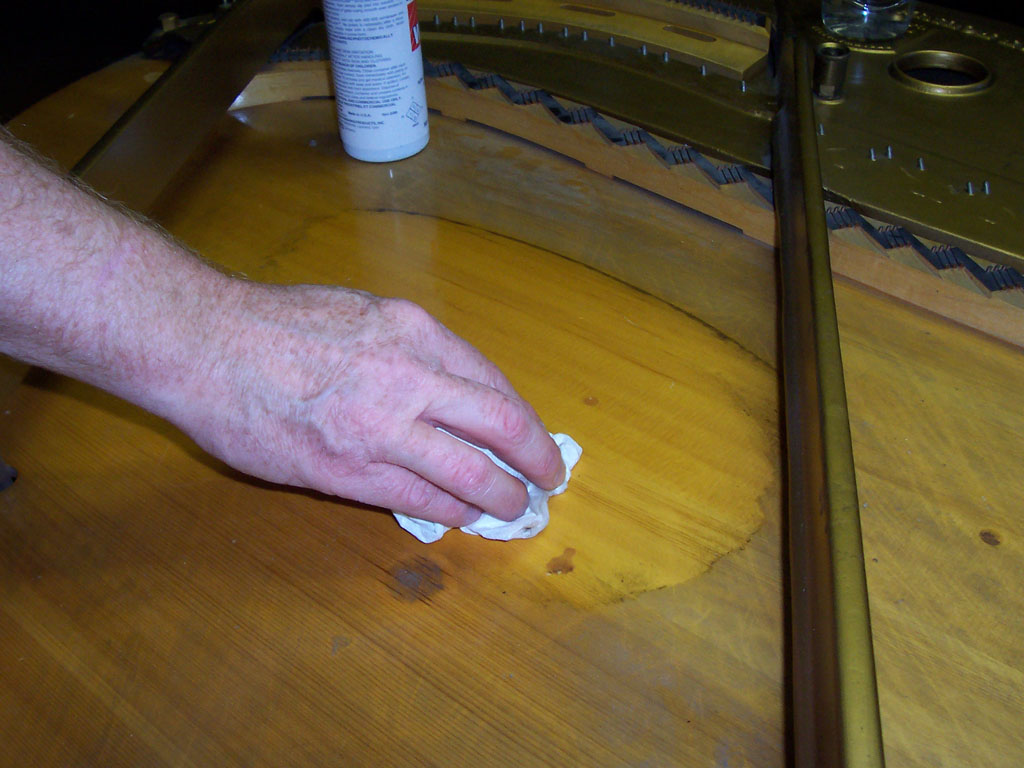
<point>46,45</point>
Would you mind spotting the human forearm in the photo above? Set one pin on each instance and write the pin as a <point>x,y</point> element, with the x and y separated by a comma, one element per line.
<point>92,293</point>
<point>314,386</point>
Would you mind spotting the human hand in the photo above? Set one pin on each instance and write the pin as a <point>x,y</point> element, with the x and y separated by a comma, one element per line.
<point>341,391</point>
<point>325,388</point>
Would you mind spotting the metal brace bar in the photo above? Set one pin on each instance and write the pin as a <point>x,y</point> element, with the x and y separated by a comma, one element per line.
<point>835,717</point>
<point>145,148</point>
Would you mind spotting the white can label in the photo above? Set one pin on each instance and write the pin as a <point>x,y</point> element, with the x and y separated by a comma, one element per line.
<point>377,64</point>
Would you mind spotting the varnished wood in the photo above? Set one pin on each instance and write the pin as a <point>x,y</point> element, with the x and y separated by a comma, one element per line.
<point>953,293</point>
<point>68,126</point>
<point>160,609</point>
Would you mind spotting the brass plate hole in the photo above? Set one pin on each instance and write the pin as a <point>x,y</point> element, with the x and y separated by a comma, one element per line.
<point>836,51</point>
<point>941,72</point>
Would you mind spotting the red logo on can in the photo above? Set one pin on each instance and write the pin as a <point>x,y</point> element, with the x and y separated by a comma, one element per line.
<point>414,25</point>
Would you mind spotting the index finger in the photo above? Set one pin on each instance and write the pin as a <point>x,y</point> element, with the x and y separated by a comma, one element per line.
<point>505,424</point>
<point>463,359</point>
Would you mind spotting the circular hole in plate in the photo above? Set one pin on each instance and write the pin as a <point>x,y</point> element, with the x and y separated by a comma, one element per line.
<point>941,72</point>
<point>835,51</point>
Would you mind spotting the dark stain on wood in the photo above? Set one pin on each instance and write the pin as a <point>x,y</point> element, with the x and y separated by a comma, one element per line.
<point>562,563</point>
<point>7,475</point>
<point>417,579</point>
<point>590,400</point>
<point>991,538</point>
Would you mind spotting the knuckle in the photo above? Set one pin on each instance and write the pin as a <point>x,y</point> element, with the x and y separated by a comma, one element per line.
<point>512,421</point>
<point>471,476</point>
<point>415,497</point>
<point>410,316</point>
<point>343,426</point>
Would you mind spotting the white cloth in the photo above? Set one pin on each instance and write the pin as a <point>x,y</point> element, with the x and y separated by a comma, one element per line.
<point>529,524</point>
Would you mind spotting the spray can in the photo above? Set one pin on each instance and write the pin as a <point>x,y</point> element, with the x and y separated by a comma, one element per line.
<point>377,66</point>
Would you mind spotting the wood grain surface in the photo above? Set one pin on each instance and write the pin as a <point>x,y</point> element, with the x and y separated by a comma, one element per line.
<point>159,608</point>
<point>953,293</point>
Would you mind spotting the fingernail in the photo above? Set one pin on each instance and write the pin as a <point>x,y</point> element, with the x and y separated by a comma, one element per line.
<point>557,477</point>
<point>471,516</point>
<point>522,510</point>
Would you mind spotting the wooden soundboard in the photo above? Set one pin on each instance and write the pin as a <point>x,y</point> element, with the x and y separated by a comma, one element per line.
<point>159,608</point>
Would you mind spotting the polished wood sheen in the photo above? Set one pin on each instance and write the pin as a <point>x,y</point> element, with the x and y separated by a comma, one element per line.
<point>897,272</point>
<point>159,608</point>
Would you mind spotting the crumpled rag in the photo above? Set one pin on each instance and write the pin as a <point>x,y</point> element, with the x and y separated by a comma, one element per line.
<point>527,525</point>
